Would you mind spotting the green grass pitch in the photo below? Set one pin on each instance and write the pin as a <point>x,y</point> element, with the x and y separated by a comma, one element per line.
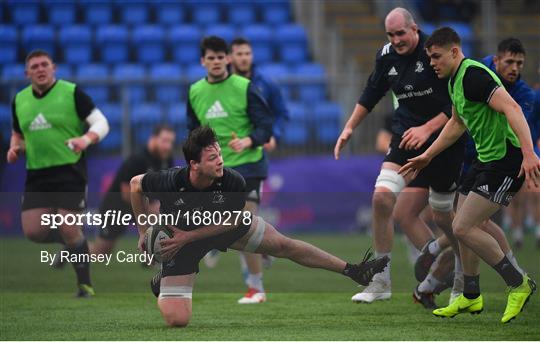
<point>37,302</point>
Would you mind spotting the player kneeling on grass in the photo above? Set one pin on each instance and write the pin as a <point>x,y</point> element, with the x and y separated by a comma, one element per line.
<point>206,186</point>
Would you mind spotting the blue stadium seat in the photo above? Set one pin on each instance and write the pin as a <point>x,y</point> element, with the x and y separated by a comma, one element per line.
<point>292,42</point>
<point>464,30</point>
<point>195,72</point>
<point>206,13</point>
<point>133,12</point>
<point>277,71</point>
<point>327,116</point>
<point>5,113</point>
<point>328,133</point>
<point>113,112</point>
<point>169,12</point>
<point>60,12</point>
<point>297,111</point>
<point>97,12</point>
<point>13,72</point>
<point>241,13</point>
<point>280,73</point>
<point>297,129</point>
<point>39,37</point>
<point>148,41</point>
<point>76,44</point>
<point>170,92</point>
<point>310,70</point>
<point>143,117</point>
<point>8,44</point>
<point>166,71</point>
<point>146,113</point>
<point>112,42</point>
<point>131,72</point>
<point>64,72</point>
<point>24,12</point>
<point>275,12</point>
<point>94,72</point>
<point>296,133</point>
<point>113,140</point>
<point>327,111</point>
<point>261,38</point>
<point>184,41</point>
<point>428,28</point>
<point>176,114</point>
<point>5,123</point>
<point>311,87</point>
<point>227,32</point>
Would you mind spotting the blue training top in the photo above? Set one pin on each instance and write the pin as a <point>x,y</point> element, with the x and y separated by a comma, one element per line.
<point>272,94</point>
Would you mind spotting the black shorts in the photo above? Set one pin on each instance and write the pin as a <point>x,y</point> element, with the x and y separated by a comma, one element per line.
<point>66,195</point>
<point>186,261</point>
<point>442,174</point>
<point>253,189</point>
<point>495,180</point>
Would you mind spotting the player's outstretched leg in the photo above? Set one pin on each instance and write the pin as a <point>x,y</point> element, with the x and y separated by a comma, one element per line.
<point>263,238</point>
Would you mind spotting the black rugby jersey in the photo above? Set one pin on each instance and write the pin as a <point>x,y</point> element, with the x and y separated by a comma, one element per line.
<point>138,163</point>
<point>176,193</point>
<point>421,94</point>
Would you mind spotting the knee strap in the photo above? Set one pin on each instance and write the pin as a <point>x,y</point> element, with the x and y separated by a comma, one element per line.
<point>256,238</point>
<point>441,201</point>
<point>391,180</point>
<point>173,291</point>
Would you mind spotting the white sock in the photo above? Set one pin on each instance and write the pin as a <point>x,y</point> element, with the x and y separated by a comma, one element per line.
<point>434,247</point>
<point>513,261</point>
<point>412,252</point>
<point>254,281</point>
<point>458,268</point>
<point>517,234</point>
<point>458,283</point>
<point>429,284</point>
<point>244,268</point>
<point>385,274</point>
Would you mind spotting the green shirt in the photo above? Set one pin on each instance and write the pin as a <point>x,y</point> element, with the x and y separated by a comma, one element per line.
<point>223,107</point>
<point>46,123</point>
<point>488,128</point>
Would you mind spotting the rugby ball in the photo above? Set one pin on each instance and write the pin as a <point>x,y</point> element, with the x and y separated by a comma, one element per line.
<point>152,241</point>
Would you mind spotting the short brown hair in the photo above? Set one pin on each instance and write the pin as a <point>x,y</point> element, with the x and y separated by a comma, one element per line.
<point>442,37</point>
<point>37,53</point>
<point>198,139</point>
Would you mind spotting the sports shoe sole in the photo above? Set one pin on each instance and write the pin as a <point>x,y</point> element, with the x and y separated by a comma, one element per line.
<point>478,312</point>
<point>366,302</point>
